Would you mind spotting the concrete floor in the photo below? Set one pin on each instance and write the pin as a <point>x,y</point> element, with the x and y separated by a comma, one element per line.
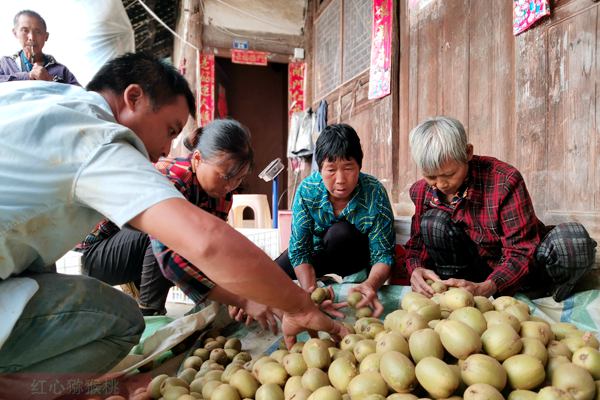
<point>176,310</point>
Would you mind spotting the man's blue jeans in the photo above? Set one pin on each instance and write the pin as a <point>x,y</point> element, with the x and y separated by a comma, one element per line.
<point>72,324</point>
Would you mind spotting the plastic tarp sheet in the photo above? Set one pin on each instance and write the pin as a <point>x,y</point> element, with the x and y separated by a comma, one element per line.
<point>581,309</point>
<point>84,34</point>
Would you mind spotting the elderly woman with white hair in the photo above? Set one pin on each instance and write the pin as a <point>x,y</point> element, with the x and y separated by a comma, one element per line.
<point>475,227</point>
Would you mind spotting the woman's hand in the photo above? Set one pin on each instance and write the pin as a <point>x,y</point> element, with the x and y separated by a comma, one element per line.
<point>327,305</point>
<point>485,289</point>
<point>418,281</point>
<point>369,298</point>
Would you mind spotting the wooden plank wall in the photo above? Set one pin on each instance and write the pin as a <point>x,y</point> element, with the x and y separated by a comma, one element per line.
<point>374,120</point>
<point>457,64</point>
<point>530,100</point>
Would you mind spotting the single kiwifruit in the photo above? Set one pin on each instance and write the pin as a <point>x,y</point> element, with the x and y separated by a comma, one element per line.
<point>363,385</point>
<point>233,343</point>
<point>436,377</point>
<point>269,391</point>
<point>524,371</point>
<point>245,383</point>
<point>392,341</point>
<point>340,373</point>
<point>363,349</point>
<point>354,298</point>
<point>316,354</point>
<point>319,295</point>
<point>325,393</point>
<point>482,391</point>
<point>272,372</point>
<point>314,378</point>
<point>397,371</point>
<point>294,364</point>
<point>225,392</point>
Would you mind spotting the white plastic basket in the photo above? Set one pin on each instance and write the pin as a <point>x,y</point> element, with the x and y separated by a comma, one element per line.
<point>265,239</point>
<point>69,264</point>
<point>177,296</point>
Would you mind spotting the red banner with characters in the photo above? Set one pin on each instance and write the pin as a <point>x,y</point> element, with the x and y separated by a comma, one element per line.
<point>296,86</point>
<point>381,49</point>
<point>206,100</point>
<point>249,57</point>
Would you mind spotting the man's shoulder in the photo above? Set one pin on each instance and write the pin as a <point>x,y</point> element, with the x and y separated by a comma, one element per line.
<point>51,61</point>
<point>9,61</point>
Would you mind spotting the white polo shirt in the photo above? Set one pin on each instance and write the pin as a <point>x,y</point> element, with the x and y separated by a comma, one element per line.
<point>64,164</point>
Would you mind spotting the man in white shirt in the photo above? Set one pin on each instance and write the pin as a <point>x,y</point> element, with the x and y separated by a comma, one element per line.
<point>68,157</point>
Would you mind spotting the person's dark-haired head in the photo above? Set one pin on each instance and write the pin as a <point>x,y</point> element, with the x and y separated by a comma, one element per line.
<point>29,13</point>
<point>222,156</point>
<point>225,137</point>
<point>159,80</point>
<point>338,141</point>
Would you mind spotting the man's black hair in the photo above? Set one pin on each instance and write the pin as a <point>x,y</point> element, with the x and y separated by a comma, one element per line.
<point>338,141</point>
<point>159,80</point>
<point>29,13</point>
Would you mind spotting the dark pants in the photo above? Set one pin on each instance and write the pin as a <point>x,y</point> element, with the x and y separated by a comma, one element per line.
<point>563,256</point>
<point>345,252</point>
<point>127,257</point>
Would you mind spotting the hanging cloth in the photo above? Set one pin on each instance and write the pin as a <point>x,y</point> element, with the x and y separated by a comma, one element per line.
<point>300,141</point>
<point>320,124</point>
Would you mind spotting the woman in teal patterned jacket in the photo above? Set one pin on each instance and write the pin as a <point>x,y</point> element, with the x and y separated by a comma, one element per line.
<point>342,220</point>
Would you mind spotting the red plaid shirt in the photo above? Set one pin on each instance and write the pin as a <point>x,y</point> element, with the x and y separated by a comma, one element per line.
<point>188,277</point>
<point>173,266</point>
<point>496,213</point>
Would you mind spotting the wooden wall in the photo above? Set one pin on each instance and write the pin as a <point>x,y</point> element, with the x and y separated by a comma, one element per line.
<point>530,100</point>
<point>457,60</point>
<point>375,121</point>
<point>567,158</point>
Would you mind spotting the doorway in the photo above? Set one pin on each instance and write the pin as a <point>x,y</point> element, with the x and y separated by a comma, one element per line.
<point>257,96</point>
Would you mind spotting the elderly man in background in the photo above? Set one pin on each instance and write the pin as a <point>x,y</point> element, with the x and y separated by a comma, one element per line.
<point>30,63</point>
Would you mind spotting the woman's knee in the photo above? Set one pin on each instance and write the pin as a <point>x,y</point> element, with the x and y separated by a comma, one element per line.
<point>568,244</point>
<point>341,231</point>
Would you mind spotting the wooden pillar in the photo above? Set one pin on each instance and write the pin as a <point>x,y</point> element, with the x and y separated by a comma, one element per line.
<point>185,58</point>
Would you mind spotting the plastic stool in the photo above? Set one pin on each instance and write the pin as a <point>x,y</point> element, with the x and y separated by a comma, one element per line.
<point>259,205</point>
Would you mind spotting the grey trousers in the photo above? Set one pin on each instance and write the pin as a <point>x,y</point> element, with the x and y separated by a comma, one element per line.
<point>73,324</point>
<point>565,254</point>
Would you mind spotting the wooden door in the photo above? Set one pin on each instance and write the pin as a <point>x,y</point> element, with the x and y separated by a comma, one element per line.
<point>530,100</point>
<point>557,129</point>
